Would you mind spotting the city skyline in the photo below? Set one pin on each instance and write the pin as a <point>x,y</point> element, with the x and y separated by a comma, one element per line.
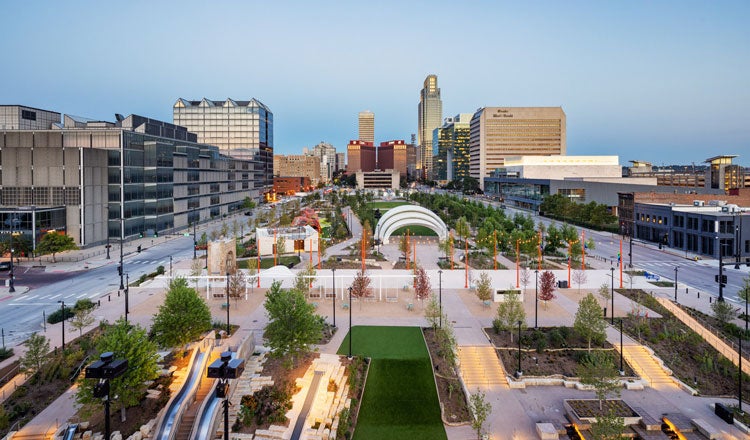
<point>664,83</point>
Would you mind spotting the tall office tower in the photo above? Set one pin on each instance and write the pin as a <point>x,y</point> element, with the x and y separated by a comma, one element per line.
<point>360,156</point>
<point>392,156</point>
<point>326,153</point>
<point>241,129</point>
<point>499,132</point>
<point>430,113</point>
<point>367,126</point>
<point>340,161</point>
<point>297,165</point>
<point>451,149</point>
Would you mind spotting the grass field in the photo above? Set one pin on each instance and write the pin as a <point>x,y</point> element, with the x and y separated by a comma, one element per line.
<point>400,400</point>
<point>384,206</point>
<point>416,230</point>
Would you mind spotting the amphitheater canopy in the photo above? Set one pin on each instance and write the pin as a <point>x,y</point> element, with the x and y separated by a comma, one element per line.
<point>408,215</point>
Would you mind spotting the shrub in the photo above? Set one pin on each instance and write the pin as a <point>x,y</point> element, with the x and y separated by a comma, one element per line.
<point>556,339</point>
<point>84,304</point>
<point>565,332</point>
<point>57,315</point>
<point>5,353</point>
<point>541,344</point>
<point>160,270</point>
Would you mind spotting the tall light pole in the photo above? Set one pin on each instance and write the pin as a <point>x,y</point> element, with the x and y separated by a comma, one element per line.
<point>228,332</point>
<point>622,372</point>
<point>333,271</point>
<point>440,289</point>
<point>612,293</point>
<point>519,372</point>
<point>62,307</point>
<point>104,369</point>
<point>127,299</point>
<point>195,237</point>
<point>675,283</point>
<point>170,266</point>
<point>351,335</point>
<point>224,369</point>
<point>721,272</point>
<point>536,298</point>
<point>122,239</point>
<point>11,287</point>
<point>106,221</point>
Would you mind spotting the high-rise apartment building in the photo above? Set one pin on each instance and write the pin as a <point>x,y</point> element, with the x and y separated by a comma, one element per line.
<point>360,156</point>
<point>451,149</point>
<point>499,132</point>
<point>326,153</point>
<point>297,165</point>
<point>392,156</point>
<point>367,126</point>
<point>430,114</point>
<point>241,129</point>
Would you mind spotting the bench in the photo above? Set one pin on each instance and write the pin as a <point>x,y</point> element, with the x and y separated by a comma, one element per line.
<point>648,421</point>
<point>344,306</point>
<point>706,429</point>
<point>224,306</point>
<point>487,303</point>
<point>410,307</point>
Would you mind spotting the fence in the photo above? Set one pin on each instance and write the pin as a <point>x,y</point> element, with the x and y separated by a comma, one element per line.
<point>726,349</point>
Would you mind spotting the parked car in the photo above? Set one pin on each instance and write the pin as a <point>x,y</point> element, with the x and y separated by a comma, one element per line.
<point>4,265</point>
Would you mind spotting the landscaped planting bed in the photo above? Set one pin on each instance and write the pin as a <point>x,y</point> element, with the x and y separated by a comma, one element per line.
<point>450,391</point>
<point>693,360</point>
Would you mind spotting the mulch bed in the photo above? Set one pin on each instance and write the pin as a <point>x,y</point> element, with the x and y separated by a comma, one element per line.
<point>590,408</point>
<point>450,391</point>
<point>330,264</point>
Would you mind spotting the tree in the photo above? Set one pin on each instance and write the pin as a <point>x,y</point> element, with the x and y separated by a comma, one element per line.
<point>608,426</point>
<point>237,286</point>
<point>248,203</point>
<point>462,228</point>
<point>422,288</point>
<point>131,342</point>
<point>55,242</point>
<point>405,247</point>
<point>432,312</point>
<point>589,322</point>
<point>293,325</point>
<point>446,246</point>
<point>525,277</point>
<point>604,293</point>
<point>224,230</point>
<point>81,319</point>
<point>484,287</point>
<point>196,269</point>
<point>480,409</point>
<point>547,287</point>
<point>509,312</point>
<point>361,287</point>
<point>280,245</point>
<point>744,292</point>
<point>37,348</point>
<point>579,277</point>
<point>304,278</point>
<point>182,318</point>
<point>598,370</point>
<point>723,311</point>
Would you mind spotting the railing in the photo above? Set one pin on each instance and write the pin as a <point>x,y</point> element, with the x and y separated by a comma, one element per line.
<point>720,334</point>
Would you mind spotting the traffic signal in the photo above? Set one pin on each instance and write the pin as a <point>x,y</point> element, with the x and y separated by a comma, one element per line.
<point>139,249</point>
<point>119,270</point>
<point>140,235</point>
<point>723,279</point>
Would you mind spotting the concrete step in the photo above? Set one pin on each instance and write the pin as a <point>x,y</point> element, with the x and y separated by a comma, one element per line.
<point>481,366</point>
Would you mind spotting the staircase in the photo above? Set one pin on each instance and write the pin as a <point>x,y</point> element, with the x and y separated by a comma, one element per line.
<point>646,366</point>
<point>480,366</point>
<point>188,418</point>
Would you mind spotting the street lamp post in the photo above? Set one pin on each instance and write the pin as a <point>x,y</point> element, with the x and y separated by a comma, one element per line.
<point>127,296</point>
<point>195,237</point>
<point>170,266</point>
<point>62,307</point>
<point>675,283</point>
<point>11,281</point>
<point>122,239</point>
<point>440,289</point>
<point>622,371</point>
<point>612,294</point>
<point>519,372</point>
<point>536,298</point>
<point>228,332</point>
<point>351,335</point>
<point>333,271</point>
<point>224,369</point>
<point>104,369</point>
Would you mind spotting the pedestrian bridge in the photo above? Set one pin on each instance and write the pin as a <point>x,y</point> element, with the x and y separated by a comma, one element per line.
<point>408,215</point>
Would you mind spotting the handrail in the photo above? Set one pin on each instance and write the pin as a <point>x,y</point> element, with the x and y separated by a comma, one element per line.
<point>80,367</point>
<point>175,407</point>
<point>716,331</point>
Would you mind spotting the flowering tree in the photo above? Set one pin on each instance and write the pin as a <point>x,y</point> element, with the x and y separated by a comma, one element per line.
<point>547,287</point>
<point>422,287</point>
<point>361,287</point>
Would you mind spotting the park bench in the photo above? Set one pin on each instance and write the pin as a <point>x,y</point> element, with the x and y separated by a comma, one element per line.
<point>410,307</point>
<point>487,303</point>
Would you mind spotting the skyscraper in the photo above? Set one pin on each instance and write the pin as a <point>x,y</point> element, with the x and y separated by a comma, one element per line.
<point>327,155</point>
<point>241,129</point>
<point>451,149</point>
<point>367,126</point>
<point>500,132</point>
<point>430,113</point>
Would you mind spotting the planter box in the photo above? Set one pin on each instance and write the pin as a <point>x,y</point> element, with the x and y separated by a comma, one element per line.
<point>585,420</point>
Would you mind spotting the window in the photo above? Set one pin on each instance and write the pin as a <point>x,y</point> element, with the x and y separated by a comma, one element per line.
<point>28,115</point>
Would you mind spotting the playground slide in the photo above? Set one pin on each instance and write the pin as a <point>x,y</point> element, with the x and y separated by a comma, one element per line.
<point>167,429</point>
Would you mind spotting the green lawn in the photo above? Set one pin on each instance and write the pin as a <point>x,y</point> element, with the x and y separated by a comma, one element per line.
<point>384,206</point>
<point>400,400</point>
<point>416,230</point>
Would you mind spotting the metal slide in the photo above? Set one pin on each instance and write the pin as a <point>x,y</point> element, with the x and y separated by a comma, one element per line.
<point>204,420</point>
<point>167,429</point>
<point>70,432</point>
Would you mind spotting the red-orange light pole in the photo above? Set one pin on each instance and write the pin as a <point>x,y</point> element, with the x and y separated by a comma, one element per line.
<point>583,250</point>
<point>466,262</point>
<point>518,265</point>
<point>319,251</point>
<point>494,257</point>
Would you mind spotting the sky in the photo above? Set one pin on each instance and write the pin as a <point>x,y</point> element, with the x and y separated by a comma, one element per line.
<point>660,81</point>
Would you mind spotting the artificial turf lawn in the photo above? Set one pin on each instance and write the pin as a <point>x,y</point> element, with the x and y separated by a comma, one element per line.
<point>415,230</point>
<point>400,400</point>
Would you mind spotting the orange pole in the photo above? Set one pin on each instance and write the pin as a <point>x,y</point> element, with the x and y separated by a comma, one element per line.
<point>274,247</point>
<point>518,265</point>
<point>318,251</point>
<point>466,263</point>
<point>363,251</point>
<point>539,251</point>
<point>583,250</point>
<point>570,254</point>
<point>494,258</point>
<point>451,236</point>
<point>257,246</point>
<point>621,263</point>
<point>407,250</point>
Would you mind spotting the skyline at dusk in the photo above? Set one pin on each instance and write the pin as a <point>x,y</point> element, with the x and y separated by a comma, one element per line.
<point>665,82</point>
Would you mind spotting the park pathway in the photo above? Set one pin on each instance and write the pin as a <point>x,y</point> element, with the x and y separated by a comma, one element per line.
<point>642,361</point>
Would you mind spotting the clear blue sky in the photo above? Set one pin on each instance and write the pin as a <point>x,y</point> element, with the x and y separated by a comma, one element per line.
<point>667,82</point>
